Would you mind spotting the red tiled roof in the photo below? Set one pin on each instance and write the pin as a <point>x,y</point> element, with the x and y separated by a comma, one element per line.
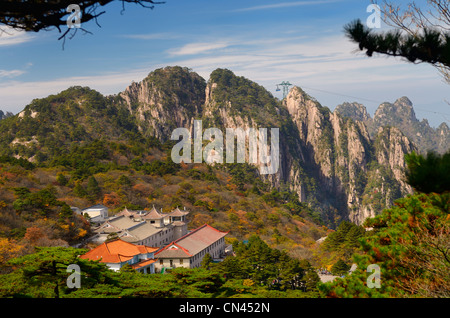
<point>117,251</point>
<point>173,250</point>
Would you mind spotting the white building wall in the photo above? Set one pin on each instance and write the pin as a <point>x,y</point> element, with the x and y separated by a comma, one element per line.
<point>113,266</point>
<point>176,262</point>
<point>215,250</point>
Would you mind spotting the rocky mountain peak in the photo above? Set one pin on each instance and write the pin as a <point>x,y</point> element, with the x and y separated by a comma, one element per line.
<point>404,101</point>
<point>400,114</point>
<point>166,99</point>
<point>400,111</point>
<point>353,110</point>
<point>443,129</point>
<point>297,100</point>
<point>339,155</point>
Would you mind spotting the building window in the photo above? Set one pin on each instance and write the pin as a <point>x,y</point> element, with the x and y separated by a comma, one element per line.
<point>171,262</point>
<point>181,261</point>
<point>161,262</point>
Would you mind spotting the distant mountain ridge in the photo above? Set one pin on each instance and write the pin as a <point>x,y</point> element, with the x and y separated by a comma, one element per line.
<point>5,115</point>
<point>401,114</point>
<point>340,166</point>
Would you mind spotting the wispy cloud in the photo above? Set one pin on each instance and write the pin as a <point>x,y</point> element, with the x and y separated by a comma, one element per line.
<point>325,64</point>
<point>197,48</point>
<point>286,5</point>
<point>11,73</point>
<point>317,58</point>
<point>6,74</point>
<point>150,36</point>
<point>9,36</point>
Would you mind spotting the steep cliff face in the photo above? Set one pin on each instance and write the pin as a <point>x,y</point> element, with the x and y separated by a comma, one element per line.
<point>314,127</point>
<point>385,181</point>
<point>347,161</point>
<point>328,159</point>
<point>400,112</point>
<point>166,99</point>
<point>443,133</point>
<point>236,102</point>
<point>391,145</point>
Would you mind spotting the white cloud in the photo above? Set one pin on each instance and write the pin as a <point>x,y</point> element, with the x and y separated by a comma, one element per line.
<point>11,73</point>
<point>324,65</point>
<point>197,48</point>
<point>14,73</point>
<point>10,36</point>
<point>285,5</point>
<point>325,60</point>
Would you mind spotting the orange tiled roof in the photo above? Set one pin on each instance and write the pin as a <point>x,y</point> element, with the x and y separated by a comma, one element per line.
<point>143,263</point>
<point>117,251</point>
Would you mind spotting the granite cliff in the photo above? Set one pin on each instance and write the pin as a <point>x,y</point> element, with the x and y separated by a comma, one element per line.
<point>333,162</point>
<point>401,114</point>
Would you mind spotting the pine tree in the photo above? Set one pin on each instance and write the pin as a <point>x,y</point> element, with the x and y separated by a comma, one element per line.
<point>409,243</point>
<point>352,238</point>
<point>430,173</point>
<point>207,261</point>
<point>127,269</point>
<point>311,279</point>
<point>43,15</point>
<point>340,268</point>
<point>92,189</point>
<point>61,179</point>
<point>420,34</point>
<point>66,212</point>
<point>78,190</point>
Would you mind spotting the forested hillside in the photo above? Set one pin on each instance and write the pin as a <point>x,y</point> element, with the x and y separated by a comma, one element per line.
<point>35,200</point>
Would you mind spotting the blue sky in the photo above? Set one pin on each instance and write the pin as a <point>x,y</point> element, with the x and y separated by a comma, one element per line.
<point>265,41</point>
